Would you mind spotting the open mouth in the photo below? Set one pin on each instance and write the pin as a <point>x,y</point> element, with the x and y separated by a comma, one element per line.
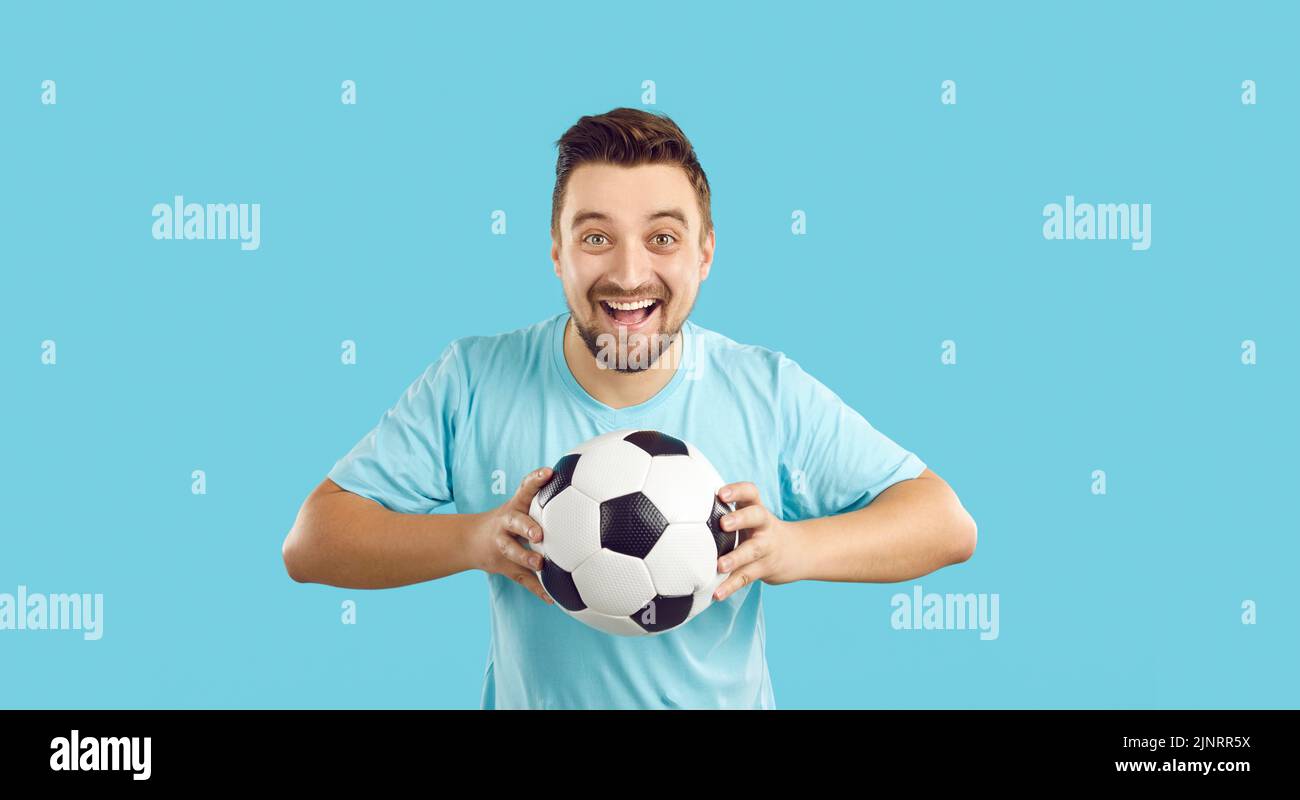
<point>631,314</point>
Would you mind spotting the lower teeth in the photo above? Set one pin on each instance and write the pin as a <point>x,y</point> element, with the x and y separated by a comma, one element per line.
<point>641,314</point>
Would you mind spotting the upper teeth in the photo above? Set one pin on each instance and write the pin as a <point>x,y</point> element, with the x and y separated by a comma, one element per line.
<point>630,306</point>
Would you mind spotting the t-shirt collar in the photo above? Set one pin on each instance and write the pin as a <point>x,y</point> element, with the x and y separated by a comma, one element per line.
<point>601,411</point>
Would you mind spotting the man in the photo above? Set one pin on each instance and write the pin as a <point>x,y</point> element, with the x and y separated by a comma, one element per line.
<point>820,494</point>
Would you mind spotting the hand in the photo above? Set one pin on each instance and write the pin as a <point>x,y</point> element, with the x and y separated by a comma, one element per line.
<point>497,538</point>
<point>766,548</point>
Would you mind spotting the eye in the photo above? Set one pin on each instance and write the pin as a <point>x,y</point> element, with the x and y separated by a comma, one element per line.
<point>666,236</point>
<point>598,235</point>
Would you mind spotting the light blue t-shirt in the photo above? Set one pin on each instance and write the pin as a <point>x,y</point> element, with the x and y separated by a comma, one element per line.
<point>509,402</point>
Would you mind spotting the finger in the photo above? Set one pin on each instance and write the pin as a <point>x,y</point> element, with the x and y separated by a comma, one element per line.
<point>529,581</point>
<point>752,517</point>
<point>745,554</point>
<point>518,556</point>
<point>528,487</point>
<point>738,580</point>
<point>739,493</point>
<point>523,525</point>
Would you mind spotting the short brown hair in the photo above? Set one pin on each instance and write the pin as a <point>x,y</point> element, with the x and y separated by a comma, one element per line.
<point>628,137</point>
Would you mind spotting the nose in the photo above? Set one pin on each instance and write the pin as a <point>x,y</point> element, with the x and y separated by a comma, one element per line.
<point>632,268</point>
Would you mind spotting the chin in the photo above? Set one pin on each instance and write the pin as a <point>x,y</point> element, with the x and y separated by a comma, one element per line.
<point>603,340</point>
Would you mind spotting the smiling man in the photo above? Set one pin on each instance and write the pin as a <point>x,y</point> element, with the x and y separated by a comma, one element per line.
<point>820,494</point>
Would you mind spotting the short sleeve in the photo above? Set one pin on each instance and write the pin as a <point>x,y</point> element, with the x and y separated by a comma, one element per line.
<point>404,463</point>
<point>832,460</point>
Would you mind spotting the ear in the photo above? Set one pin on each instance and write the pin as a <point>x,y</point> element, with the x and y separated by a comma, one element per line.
<point>555,255</point>
<point>706,254</point>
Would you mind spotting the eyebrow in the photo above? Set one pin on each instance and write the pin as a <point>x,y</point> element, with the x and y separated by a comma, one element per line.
<point>675,213</point>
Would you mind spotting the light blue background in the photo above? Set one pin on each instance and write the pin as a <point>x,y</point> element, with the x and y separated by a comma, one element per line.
<point>924,225</point>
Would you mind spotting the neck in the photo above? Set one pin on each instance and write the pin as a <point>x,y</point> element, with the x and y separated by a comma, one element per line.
<point>618,389</point>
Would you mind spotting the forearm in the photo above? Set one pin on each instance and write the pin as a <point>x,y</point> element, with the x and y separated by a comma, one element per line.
<point>911,529</point>
<point>344,540</point>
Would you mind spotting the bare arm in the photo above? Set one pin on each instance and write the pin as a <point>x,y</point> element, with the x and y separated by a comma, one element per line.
<point>343,539</point>
<point>912,529</point>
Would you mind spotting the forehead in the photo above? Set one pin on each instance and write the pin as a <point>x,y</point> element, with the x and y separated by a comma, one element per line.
<point>628,194</point>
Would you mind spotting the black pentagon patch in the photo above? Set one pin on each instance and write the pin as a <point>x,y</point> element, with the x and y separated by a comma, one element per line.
<point>657,444</point>
<point>561,477</point>
<point>664,613</point>
<point>725,540</point>
<point>630,525</point>
<point>560,586</point>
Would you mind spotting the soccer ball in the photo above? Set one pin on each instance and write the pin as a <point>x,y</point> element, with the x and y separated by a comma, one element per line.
<point>630,532</point>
